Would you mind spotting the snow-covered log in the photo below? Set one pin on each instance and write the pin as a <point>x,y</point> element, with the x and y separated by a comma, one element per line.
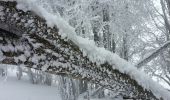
<point>26,40</point>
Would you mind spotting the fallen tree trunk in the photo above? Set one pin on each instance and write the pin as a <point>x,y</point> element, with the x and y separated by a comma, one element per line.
<point>26,40</point>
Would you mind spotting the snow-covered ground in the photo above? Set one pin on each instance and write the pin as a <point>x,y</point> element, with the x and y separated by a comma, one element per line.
<point>13,89</point>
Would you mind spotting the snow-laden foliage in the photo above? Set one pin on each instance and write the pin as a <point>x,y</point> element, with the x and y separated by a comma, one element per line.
<point>156,43</point>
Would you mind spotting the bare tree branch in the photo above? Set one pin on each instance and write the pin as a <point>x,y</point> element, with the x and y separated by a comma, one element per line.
<point>153,55</point>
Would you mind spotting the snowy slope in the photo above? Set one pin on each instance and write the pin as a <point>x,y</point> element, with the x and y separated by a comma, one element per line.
<point>12,89</point>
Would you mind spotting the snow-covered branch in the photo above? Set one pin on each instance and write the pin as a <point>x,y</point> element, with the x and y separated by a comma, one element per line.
<point>153,55</point>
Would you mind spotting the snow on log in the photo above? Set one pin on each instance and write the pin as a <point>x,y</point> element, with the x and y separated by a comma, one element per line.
<point>27,40</point>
